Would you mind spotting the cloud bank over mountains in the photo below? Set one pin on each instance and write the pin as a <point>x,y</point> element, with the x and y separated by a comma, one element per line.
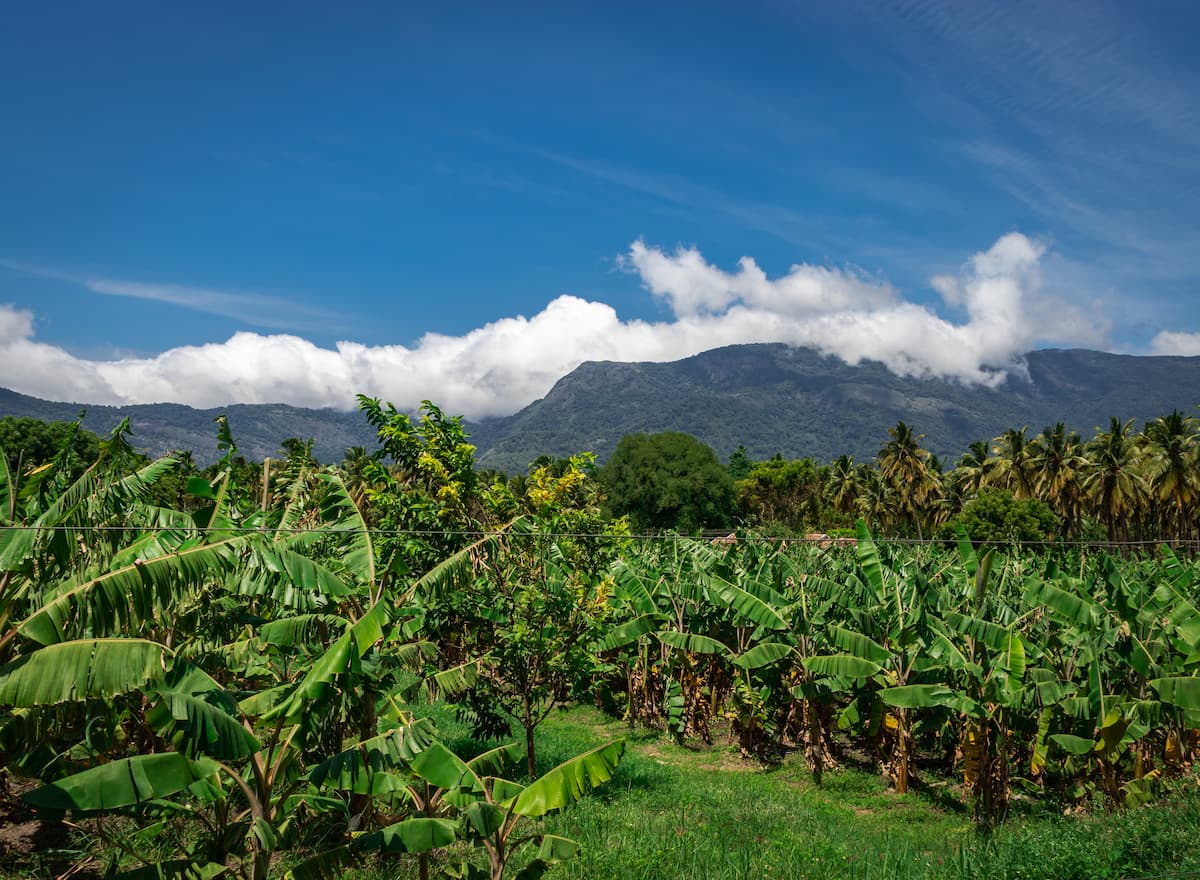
<point>998,307</point>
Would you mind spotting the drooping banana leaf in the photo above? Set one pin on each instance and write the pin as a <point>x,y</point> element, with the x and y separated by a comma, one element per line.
<point>694,643</point>
<point>568,782</point>
<point>123,783</point>
<point>128,596</point>
<point>81,670</point>
<point>199,717</point>
<point>629,632</point>
<point>763,654</point>
<point>858,644</point>
<point>745,605</point>
<point>841,666</point>
<point>918,696</point>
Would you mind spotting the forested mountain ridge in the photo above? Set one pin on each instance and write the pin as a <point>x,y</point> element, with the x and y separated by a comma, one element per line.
<point>160,428</point>
<point>771,398</point>
<point>775,398</point>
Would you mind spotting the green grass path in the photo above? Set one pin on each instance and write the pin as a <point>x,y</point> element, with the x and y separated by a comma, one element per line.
<point>673,813</point>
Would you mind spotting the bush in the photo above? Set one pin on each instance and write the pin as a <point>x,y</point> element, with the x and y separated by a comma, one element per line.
<point>996,517</point>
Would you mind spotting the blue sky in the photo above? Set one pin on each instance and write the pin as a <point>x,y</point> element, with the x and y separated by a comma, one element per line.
<point>302,175</point>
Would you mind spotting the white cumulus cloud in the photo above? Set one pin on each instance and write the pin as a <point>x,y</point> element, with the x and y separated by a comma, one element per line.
<point>1177,343</point>
<point>504,365</point>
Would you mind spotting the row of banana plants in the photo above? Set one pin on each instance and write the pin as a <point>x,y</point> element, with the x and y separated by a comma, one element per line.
<point>1057,675</point>
<point>229,691</point>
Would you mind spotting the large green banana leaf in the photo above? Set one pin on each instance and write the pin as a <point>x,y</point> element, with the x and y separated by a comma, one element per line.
<point>694,643</point>
<point>858,644</point>
<point>841,666</point>
<point>918,696</point>
<point>141,591</point>
<point>80,670</point>
<point>123,783</point>
<point>410,836</point>
<point>1182,691</point>
<point>762,654</point>
<point>199,717</point>
<point>568,782</point>
<point>746,605</point>
<point>339,508</point>
<point>628,632</point>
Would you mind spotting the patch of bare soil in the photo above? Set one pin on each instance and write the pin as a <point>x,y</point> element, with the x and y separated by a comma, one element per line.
<point>28,843</point>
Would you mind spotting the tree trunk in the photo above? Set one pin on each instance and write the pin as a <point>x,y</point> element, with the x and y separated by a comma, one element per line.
<point>530,759</point>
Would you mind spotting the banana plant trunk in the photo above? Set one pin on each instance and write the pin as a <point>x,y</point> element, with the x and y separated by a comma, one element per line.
<point>816,750</point>
<point>903,751</point>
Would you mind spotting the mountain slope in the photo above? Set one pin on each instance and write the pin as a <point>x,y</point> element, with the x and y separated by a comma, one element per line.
<point>259,429</point>
<point>778,399</point>
<point>771,398</point>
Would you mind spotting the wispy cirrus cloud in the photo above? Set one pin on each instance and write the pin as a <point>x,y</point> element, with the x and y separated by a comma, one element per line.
<point>1081,112</point>
<point>253,309</point>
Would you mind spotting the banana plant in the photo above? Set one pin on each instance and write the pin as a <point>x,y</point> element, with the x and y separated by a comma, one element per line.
<point>1103,719</point>
<point>984,654</point>
<point>627,643</point>
<point>453,800</point>
<point>237,766</point>
<point>882,660</point>
<point>812,599</point>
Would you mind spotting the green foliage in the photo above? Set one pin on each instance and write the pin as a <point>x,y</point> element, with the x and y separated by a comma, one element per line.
<point>668,481</point>
<point>429,491</point>
<point>740,463</point>
<point>787,493</point>
<point>33,443</point>
<point>235,681</point>
<point>994,516</point>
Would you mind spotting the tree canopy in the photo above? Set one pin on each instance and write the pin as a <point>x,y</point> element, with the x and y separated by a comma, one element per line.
<point>668,480</point>
<point>33,442</point>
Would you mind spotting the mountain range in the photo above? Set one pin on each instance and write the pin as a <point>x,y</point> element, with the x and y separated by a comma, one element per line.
<point>770,398</point>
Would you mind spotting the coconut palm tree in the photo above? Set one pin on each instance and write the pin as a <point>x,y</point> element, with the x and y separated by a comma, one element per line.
<point>1013,468</point>
<point>876,501</point>
<point>1172,453</point>
<point>974,468</point>
<point>844,485</point>
<point>1059,463</point>
<point>906,466</point>
<point>1113,483</point>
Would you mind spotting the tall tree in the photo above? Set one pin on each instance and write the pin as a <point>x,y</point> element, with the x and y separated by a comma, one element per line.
<point>429,495</point>
<point>1173,456</point>
<point>1014,468</point>
<point>844,485</point>
<point>906,466</point>
<point>1059,464</point>
<point>790,493</point>
<point>1115,487</point>
<point>975,467</point>
<point>668,480</point>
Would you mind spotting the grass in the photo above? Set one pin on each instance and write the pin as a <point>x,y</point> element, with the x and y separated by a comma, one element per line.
<point>674,812</point>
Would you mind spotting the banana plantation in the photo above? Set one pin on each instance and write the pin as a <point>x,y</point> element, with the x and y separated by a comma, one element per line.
<point>234,683</point>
